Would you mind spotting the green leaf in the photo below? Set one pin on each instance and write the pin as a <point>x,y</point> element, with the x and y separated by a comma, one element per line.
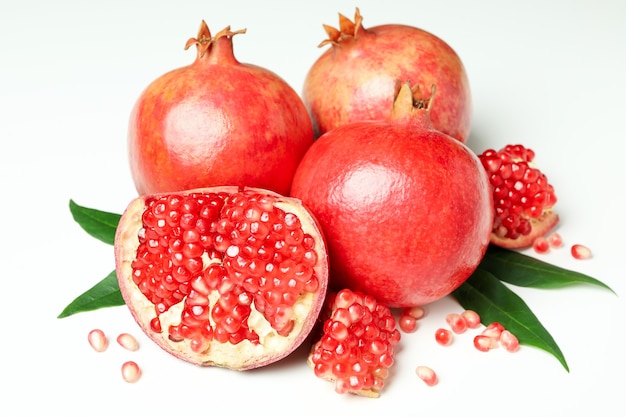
<point>105,293</point>
<point>525,271</point>
<point>99,224</point>
<point>495,302</point>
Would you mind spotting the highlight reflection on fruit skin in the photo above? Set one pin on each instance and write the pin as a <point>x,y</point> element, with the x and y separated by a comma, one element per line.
<point>406,210</point>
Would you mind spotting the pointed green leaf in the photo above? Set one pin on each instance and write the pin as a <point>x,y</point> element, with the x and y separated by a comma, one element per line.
<point>525,271</point>
<point>494,302</point>
<point>99,224</point>
<point>105,293</point>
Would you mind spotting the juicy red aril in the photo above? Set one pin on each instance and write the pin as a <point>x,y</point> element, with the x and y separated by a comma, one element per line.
<point>98,340</point>
<point>456,322</point>
<point>472,318</point>
<point>239,247</point>
<point>541,245</point>
<point>521,192</point>
<point>580,251</point>
<point>356,349</point>
<point>443,336</point>
<point>509,341</point>
<point>427,375</point>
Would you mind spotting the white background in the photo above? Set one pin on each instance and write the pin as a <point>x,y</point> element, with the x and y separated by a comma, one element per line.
<point>549,75</point>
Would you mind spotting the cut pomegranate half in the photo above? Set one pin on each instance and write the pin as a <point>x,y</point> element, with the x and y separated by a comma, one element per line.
<point>227,276</point>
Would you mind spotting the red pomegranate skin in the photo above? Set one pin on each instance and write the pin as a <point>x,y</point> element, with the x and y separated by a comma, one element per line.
<point>406,210</point>
<point>351,80</point>
<point>217,122</point>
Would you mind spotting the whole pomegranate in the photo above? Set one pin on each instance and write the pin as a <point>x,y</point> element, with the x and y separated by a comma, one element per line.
<point>217,122</point>
<point>406,210</point>
<point>226,276</point>
<point>523,198</point>
<point>351,80</point>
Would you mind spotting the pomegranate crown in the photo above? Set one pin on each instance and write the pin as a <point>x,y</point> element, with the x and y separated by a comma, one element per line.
<point>204,40</point>
<point>347,29</point>
<point>407,99</point>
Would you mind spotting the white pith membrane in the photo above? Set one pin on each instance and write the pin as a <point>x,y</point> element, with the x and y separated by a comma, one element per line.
<point>245,354</point>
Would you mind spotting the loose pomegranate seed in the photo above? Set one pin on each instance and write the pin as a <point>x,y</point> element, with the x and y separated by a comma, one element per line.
<point>98,340</point>
<point>509,341</point>
<point>407,324</point>
<point>128,342</point>
<point>131,372</point>
<point>541,245</point>
<point>580,252</point>
<point>443,336</point>
<point>416,312</point>
<point>427,375</point>
<point>471,318</point>
<point>493,330</point>
<point>485,343</point>
<point>555,240</point>
<point>456,322</point>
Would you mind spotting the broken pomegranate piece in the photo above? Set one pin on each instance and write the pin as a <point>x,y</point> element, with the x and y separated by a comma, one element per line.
<point>356,348</point>
<point>226,276</point>
<point>523,198</point>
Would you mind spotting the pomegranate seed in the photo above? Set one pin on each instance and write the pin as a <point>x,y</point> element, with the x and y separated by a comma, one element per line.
<point>443,336</point>
<point>471,318</point>
<point>509,341</point>
<point>416,312</point>
<point>407,324</point>
<point>485,343</point>
<point>128,341</point>
<point>494,331</point>
<point>580,251</point>
<point>555,240</point>
<point>456,322</point>
<point>427,375</point>
<point>131,372</point>
<point>541,245</point>
<point>98,340</point>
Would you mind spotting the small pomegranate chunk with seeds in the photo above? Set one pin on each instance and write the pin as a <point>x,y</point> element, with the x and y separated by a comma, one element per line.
<point>356,348</point>
<point>523,198</point>
<point>225,276</point>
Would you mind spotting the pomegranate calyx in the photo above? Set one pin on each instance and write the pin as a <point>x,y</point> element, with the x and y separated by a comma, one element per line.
<point>409,101</point>
<point>204,40</point>
<point>347,29</point>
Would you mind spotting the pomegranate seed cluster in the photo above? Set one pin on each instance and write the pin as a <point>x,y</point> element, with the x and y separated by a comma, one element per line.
<point>521,192</point>
<point>222,256</point>
<point>356,349</point>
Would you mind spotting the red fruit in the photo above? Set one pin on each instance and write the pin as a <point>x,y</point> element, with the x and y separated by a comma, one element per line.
<point>356,348</point>
<point>217,122</point>
<point>351,81</point>
<point>224,276</point>
<point>522,196</point>
<point>406,210</point>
